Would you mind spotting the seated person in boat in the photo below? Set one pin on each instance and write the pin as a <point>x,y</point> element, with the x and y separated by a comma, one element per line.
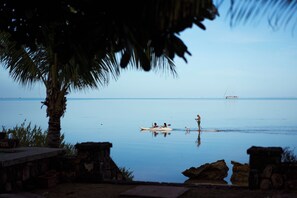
<point>155,125</point>
<point>165,125</point>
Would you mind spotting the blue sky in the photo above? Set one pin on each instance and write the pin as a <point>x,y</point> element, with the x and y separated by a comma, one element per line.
<point>248,60</point>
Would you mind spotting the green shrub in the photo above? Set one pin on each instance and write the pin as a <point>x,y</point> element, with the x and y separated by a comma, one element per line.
<point>28,135</point>
<point>288,155</point>
<point>127,174</point>
<point>34,137</point>
<point>70,149</point>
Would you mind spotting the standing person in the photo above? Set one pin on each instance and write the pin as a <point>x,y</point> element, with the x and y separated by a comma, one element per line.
<point>198,119</point>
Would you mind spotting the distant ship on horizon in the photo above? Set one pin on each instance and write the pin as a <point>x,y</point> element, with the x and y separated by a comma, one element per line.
<point>231,97</point>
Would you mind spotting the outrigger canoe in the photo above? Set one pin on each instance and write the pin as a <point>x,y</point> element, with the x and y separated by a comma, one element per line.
<point>156,129</point>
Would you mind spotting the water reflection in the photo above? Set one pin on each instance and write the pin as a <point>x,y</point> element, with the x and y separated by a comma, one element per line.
<point>164,133</point>
<point>198,140</point>
<point>158,133</point>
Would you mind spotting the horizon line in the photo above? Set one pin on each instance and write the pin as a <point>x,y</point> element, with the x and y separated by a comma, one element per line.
<point>101,98</point>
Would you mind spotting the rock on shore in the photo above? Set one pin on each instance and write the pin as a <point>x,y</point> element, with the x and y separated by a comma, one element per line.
<point>210,171</point>
<point>240,173</point>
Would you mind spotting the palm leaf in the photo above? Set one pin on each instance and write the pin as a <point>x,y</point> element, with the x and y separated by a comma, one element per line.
<point>23,64</point>
<point>279,13</point>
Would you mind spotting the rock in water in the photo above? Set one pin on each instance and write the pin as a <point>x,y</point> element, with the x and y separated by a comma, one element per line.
<point>214,171</point>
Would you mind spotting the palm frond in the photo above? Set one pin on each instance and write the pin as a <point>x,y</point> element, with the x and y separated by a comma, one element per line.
<point>145,55</point>
<point>23,64</point>
<point>279,13</point>
<point>148,60</point>
<point>27,67</point>
<point>81,73</point>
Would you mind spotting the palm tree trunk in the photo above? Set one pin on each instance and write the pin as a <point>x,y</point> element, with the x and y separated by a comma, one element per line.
<point>54,128</point>
<point>56,106</point>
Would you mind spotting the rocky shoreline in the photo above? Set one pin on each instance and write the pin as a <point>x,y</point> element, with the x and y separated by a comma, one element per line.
<point>265,171</point>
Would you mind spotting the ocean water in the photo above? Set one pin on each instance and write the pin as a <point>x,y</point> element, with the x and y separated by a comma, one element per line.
<point>241,123</point>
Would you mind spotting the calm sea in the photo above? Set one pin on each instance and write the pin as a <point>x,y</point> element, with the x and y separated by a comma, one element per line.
<point>242,123</point>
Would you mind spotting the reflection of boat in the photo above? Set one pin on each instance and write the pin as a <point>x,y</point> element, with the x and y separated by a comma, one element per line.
<point>155,132</point>
<point>231,97</point>
<point>156,129</point>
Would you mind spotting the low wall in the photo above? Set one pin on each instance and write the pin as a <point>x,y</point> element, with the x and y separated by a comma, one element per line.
<point>30,167</point>
<point>93,163</point>
<point>268,172</point>
<point>27,167</point>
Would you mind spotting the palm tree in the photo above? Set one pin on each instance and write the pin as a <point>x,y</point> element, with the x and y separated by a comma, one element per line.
<point>28,67</point>
<point>70,45</point>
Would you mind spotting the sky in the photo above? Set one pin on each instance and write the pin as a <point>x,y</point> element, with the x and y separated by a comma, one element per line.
<point>249,61</point>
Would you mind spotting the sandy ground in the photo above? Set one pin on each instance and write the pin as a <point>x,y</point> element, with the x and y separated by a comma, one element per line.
<point>106,190</point>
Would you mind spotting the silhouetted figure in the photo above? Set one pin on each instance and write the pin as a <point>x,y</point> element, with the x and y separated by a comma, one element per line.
<point>165,125</point>
<point>198,119</point>
<point>155,125</point>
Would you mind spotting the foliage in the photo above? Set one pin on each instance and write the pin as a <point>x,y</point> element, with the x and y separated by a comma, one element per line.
<point>82,32</point>
<point>127,173</point>
<point>279,13</point>
<point>69,149</point>
<point>288,155</point>
<point>28,135</point>
<point>35,137</point>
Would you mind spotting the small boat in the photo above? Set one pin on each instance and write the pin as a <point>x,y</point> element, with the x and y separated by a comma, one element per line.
<point>156,129</point>
<point>231,97</point>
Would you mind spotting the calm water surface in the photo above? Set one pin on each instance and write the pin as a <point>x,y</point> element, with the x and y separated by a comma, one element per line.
<point>242,123</point>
